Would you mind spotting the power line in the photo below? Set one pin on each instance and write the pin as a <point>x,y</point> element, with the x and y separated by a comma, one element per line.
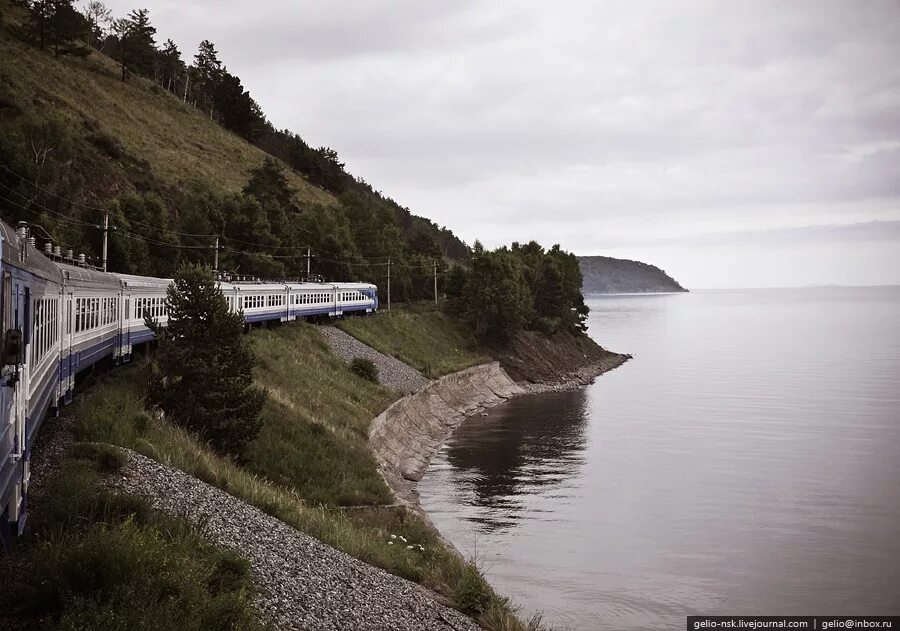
<point>360,259</point>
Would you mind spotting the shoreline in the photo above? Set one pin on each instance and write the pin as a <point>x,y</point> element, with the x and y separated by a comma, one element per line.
<point>406,436</point>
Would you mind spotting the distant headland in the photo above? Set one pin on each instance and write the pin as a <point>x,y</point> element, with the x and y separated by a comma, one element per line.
<point>606,275</point>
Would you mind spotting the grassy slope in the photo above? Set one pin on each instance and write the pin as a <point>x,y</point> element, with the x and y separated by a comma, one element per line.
<point>315,435</point>
<point>297,473</point>
<point>423,337</point>
<point>176,141</point>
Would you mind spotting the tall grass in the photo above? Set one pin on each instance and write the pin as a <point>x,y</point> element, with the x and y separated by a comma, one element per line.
<point>101,561</point>
<point>420,335</point>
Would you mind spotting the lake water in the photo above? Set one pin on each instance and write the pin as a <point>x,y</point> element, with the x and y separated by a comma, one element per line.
<point>746,461</point>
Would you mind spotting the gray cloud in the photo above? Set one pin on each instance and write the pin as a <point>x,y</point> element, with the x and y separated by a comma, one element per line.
<point>631,120</point>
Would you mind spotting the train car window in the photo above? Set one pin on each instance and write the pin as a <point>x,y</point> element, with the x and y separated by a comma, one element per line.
<point>26,320</point>
<point>7,301</point>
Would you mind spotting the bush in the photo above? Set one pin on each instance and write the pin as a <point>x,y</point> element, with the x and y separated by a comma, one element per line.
<point>547,326</point>
<point>365,368</point>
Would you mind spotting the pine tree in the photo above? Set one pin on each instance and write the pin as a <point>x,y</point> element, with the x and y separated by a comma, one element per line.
<point>141,42</point>
<point>206,366</point>
<point>208,71</point>
<point>171,68</point>
<point>137,48</point>
<point>66,26</point>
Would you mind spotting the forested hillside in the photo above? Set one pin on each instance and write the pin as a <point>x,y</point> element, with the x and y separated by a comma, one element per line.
<point>99,112</point>
<point>606,275</point>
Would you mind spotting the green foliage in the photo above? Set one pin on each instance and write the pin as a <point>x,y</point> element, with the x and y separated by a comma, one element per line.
<point>206,367</point>
<point>497,298</point>
<point>519,287</point>
<point>365,368</point>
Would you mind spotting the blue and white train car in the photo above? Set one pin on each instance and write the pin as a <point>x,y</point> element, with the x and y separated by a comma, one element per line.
<point>59,319</point>
<point>141,295</point>
<point>92,303</point>
<point>356,298</point>
<point>32,331</point>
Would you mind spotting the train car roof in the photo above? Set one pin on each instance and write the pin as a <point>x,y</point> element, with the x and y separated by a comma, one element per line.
<point>310,286</point>
<point>144,282</point>
<point>89,278</point>
<point>355,286</point>
<point>35,262</point>
<point>242,287</point>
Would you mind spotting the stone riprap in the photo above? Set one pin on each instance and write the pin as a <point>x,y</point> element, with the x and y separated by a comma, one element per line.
<point>407,434</point>
<point>302,583</point>
<point>392,372</point>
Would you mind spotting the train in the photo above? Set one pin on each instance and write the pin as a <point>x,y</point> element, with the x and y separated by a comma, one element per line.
<point>60,317</point>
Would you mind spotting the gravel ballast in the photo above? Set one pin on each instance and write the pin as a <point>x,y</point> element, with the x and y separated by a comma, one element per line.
<point>303,583</point>
<point>392,373</point>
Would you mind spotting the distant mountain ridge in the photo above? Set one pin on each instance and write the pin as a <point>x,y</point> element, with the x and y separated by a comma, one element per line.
<point>606,275</point>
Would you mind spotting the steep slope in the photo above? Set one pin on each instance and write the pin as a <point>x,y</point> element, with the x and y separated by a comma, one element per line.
<point>606,275</point>
<point>127,136</point>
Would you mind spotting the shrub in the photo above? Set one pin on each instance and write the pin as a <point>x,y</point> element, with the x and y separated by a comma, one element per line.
<point>471,593</point>
<point>365,368</point>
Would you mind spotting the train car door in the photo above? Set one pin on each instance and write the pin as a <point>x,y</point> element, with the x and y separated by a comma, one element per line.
<point>69,368</point>
<point>126,329</point>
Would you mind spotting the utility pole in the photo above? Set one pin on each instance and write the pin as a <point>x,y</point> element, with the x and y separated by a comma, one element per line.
<point>434,266</point>
<point>105,237</point>
<point>216,257</point>
<point>389,283</point>
<point>308,258</point>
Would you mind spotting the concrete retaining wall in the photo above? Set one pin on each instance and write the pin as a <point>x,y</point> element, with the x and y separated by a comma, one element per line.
<point>406,435</point>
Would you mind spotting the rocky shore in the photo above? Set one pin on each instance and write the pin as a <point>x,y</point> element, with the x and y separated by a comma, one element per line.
<point>409,433</point>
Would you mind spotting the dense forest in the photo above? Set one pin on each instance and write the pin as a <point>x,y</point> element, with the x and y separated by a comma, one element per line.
<point>97,117</point>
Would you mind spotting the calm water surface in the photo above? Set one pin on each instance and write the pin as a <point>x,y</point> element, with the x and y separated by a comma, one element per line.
<point>747,460</point>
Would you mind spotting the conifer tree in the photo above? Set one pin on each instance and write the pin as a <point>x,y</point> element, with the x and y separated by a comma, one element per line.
<point>205,380</point>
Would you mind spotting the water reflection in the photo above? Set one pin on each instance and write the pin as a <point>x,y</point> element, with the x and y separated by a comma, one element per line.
<point>530,445</point>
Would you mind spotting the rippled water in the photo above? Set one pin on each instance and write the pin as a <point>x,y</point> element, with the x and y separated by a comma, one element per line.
<point>747,460</point>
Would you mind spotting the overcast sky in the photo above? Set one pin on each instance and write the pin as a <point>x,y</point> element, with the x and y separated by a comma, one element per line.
<point>734,144</point>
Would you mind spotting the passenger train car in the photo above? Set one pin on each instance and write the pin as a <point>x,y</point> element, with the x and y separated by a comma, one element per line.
<point>59,318</point>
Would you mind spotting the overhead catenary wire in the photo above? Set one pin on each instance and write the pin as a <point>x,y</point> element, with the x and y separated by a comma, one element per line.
<point>340,258</point>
